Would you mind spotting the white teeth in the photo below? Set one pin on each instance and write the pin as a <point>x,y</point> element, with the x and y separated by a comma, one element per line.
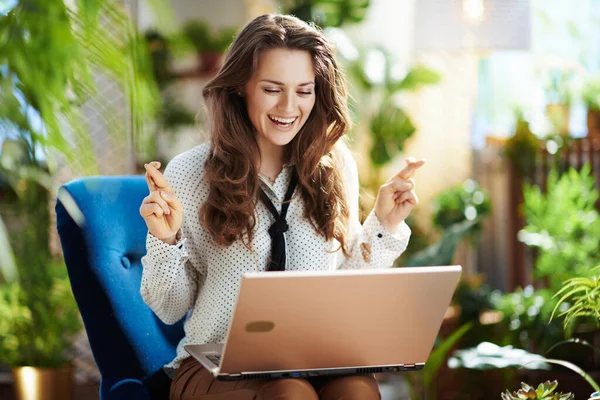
<point>282,120</point>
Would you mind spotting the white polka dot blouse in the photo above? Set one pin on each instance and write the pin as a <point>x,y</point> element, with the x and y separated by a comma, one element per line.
<point>199,279</point>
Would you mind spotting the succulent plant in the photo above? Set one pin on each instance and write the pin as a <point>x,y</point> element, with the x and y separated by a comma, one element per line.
<point>544,391</point>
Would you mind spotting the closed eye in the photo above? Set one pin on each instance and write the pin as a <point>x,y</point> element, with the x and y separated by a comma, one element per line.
<point>273,91</point>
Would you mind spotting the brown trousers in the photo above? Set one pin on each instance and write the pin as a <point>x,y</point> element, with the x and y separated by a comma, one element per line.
<point>193,381</point>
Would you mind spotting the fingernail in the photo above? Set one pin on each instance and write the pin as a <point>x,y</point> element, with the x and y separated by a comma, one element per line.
<point>165,195</point>
<point>156,164</point>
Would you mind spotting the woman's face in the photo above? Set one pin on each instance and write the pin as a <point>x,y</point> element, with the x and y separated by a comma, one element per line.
<point>280,95</point>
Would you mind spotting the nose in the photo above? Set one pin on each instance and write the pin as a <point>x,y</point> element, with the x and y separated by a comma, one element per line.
<point>288,103</point>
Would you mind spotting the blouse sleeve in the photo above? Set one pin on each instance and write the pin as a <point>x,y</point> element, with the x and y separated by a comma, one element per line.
<point>171,274</point>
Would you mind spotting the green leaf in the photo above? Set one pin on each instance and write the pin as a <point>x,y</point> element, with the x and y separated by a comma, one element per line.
<point>416,78</point>
<point>391,128</point>
<point>576,369</point>
<point>438,355</point>
<point>442,253</point>
<point>572,341</point>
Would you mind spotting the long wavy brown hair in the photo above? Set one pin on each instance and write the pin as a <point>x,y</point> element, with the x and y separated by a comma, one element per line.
<point>232,169</point>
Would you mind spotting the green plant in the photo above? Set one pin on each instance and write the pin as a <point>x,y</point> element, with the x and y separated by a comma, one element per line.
<point>473,298</point>
<point>591,94</point>
<point>442,252</point>
<point>379,85</point>
<point>526,315</point>
<point>39,319</point>
<point>438,357</point>
<point>582,294</point>
<point>38,314</point>
<point>161,57</point>
<point>49,56</point>
<point>522,147</point>
<point>488,356</point>
<point>466,201</point>
<point>206,40</point>
<point>560,87</point>
<point>425,381</point>
<point>327,13</point>
<point>376,85</point>
<point>563,226</point>
<point>52,55</point>
<point>544,391</point>
<point>173,114</point>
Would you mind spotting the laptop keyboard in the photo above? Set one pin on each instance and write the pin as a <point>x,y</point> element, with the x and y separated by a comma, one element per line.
<point>215,358</point>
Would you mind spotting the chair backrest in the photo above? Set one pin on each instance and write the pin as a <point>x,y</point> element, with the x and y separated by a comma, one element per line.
<point>103,238</point>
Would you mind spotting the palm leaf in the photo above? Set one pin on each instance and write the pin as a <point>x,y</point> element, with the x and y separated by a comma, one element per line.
<point>51,57</point>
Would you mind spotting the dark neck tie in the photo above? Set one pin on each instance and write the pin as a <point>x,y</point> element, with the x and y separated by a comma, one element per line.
<point>280,226</point>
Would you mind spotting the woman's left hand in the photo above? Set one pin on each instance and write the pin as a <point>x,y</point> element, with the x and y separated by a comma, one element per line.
<point>397,197</point>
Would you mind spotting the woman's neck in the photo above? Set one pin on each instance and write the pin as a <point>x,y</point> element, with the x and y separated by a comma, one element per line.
<point>272,159</point>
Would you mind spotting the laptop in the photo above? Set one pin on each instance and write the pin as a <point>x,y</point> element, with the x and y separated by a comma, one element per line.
<point>306,324</point>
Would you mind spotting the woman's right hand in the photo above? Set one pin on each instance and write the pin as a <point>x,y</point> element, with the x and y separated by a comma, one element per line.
<point>161,209</point>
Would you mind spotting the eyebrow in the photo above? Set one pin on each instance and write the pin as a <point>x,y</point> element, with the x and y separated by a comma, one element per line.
<point>283,84</point>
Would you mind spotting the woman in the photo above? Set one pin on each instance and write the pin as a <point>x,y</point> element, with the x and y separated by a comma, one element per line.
<point>274,189</point>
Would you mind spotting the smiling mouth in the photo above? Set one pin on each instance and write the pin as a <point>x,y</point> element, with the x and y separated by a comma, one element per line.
<point>283,122</point>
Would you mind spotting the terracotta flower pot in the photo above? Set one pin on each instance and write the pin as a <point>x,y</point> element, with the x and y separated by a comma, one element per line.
<point>210,62</point>
<point>32,383</point>
<point>559,116</point>
<point>593,123</point>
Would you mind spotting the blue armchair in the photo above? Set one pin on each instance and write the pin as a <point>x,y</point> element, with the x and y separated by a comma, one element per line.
<point>103,238</point>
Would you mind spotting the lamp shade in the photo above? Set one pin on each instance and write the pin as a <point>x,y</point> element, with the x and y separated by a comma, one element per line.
<point>480,25</point>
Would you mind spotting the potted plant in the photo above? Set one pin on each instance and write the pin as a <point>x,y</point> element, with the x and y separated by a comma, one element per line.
<point>591,98</point>
<point>559,93</point>
<point>522,147</point>
<point>38,323</point>
<point>38,314</point>
<point>209,44</point>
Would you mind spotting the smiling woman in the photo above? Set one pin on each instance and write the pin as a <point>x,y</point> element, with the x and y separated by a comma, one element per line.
<point>273,190</point>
